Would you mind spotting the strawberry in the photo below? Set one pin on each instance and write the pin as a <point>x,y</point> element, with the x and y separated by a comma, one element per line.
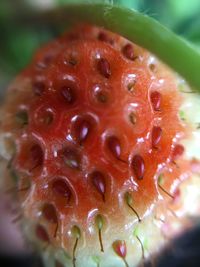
<point>93,134</point>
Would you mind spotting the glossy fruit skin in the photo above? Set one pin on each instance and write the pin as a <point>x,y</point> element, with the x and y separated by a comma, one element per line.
<point>100,123</point>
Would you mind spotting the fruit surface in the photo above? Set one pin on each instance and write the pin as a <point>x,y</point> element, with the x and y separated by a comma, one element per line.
<point>96,135</point>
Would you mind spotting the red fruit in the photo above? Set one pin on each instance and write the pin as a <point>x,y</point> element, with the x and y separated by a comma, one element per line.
<point>91,143</point>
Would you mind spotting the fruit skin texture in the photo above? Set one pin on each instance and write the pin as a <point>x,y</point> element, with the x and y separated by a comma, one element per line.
<point>93,118</point>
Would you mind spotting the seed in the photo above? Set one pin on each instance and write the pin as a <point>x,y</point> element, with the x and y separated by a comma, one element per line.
<point>119,247</point>
<point>152,67</point>
<point>114,146</point>
<point>98,180</point>
<point>49,213</point>
<point>22,117</point>
<point>104,67</point>
<point>156,100</point>
<point>177,151</point>
<point>99,221</point>
<point>132,118</point>
<point>38,88</point>
<point>61,188</point>
<point>41,233</point>
<point>71,158</point>
<point>36,156</point>
<point>102,97</point>
<point>129,201</point>
<point>46,118</point>
<point>105,38</point>
<point>58,264</point>
<point>138,166</point>
<point>82,130</point>
<point>68,94</point>
<point>156,136</point>
<point>128,51</point>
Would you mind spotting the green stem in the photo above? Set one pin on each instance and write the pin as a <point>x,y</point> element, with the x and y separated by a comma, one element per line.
<point>179,54</point>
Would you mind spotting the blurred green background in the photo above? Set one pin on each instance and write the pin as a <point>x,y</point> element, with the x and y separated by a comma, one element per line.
<point>19,39</point>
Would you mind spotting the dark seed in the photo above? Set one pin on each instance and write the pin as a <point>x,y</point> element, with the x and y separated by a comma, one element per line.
<point>49,213</point>
<point>58,264</point>
<point>38,88</point>
<point>152,67</point>
<point>128,51</point>
<point>102,97</point>
<point>45,62</point>
<point>36,156</point>
<point>114,146</point>
<point>82,130</point>
<point>71,158</point>
<point>177,151</point>
<point>46,118</point>
<point>99,183</point>
<point>41,233</point>
<point>104,67</point>
<point>22,117</point>
<point>119,247</point>
<point>104,38</point>
<point>156,100</point>
<point>61,188</point>
<point>138,166</point>
<point>156,136</point>
<point>68,94</point>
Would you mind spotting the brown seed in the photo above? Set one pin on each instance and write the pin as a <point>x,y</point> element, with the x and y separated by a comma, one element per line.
<point>71,158</point>
<point>138,166</point>
<point>61,188</point>
<point>68,94</point>
<point>38,88</point>
<point>49,213</point>
<point>98,180</point>
<point>114,146</point>
<point>156,100</point>
<point>128,51</point>
<point>58,264</point>
<point>41,233</point>
<point>104,67</point>
<point>132,118</point>
<point>156,136</point>
<point>102,97</point>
